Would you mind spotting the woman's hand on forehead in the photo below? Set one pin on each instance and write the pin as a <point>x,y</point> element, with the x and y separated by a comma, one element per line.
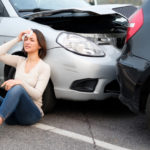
<point>27,33</point>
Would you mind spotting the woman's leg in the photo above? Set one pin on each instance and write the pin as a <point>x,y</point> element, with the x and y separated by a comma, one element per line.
<point>11,120</point>
<point>27,113</point>
<point>20,104</point>
<point>1,100</point>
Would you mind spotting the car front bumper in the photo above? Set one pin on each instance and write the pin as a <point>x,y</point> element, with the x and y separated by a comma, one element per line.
<point>68,68</point>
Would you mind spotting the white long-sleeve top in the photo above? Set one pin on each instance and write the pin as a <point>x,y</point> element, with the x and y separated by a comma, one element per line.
<point>35,81</point>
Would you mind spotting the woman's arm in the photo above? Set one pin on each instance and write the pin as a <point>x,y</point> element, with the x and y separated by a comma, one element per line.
<point>8,58</point>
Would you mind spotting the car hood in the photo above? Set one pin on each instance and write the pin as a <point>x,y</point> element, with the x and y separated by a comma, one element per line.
<point>104,19</point>
<point>94,22</point>
<point>125,10</point>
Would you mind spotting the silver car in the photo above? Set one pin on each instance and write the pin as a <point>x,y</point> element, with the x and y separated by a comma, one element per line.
<point>79,38</point>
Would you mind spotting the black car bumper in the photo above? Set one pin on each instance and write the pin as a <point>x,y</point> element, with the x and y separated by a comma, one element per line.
<point>129,93</point>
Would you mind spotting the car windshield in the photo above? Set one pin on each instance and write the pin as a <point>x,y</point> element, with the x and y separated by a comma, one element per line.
<point>25,5</point>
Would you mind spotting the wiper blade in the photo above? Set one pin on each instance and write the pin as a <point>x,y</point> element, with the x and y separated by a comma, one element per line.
<point>33,10</point>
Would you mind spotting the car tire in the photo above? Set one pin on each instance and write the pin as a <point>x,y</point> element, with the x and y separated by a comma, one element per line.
<point>148,110</point>
<point>9,72</point>
<point>48,100</point>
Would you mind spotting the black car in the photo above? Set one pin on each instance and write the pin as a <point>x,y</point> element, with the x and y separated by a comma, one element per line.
<point>134,63</point>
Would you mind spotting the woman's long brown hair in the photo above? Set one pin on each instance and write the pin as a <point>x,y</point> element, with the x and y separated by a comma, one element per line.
<point>41,41</point>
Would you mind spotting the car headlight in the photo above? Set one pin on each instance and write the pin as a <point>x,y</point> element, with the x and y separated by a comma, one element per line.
<point>79,45</point>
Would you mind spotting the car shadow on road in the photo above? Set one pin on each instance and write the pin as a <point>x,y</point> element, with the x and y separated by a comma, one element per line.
<point>109,110</point>
<point>111,106</point>
<point>109,114</point>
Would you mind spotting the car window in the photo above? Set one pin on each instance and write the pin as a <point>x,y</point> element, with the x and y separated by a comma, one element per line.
<point>47,4</point>
<point>3,12</point>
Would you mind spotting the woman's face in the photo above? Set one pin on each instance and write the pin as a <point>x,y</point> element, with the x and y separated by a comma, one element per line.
<point>31,44</point>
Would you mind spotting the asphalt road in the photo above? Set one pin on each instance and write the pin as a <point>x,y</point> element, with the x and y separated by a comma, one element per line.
<point>105,125</point>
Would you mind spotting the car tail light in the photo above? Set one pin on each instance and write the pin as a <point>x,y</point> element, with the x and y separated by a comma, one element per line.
<point>135,23</point>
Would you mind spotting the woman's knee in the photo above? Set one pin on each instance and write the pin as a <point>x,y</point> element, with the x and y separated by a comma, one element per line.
<point>16,90</point>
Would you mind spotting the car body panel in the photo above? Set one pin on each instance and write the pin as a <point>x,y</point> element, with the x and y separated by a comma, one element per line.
<point>134,67</point>
<point>78,66</point>
<point>101,10</point>
<point>130,74</point>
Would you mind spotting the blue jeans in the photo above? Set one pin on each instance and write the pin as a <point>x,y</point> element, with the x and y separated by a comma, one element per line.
<point>18,108</point>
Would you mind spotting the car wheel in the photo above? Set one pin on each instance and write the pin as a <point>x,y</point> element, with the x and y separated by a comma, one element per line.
<point>148,110</point>
<point>9,72</point>
<point>49,100</point>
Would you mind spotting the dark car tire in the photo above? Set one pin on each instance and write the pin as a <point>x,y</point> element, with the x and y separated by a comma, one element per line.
<point>148,110</point>
<point>49,100</point>
<point>9,72</point>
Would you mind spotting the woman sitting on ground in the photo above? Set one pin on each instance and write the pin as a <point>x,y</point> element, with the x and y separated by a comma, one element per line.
<point>23,101</point>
